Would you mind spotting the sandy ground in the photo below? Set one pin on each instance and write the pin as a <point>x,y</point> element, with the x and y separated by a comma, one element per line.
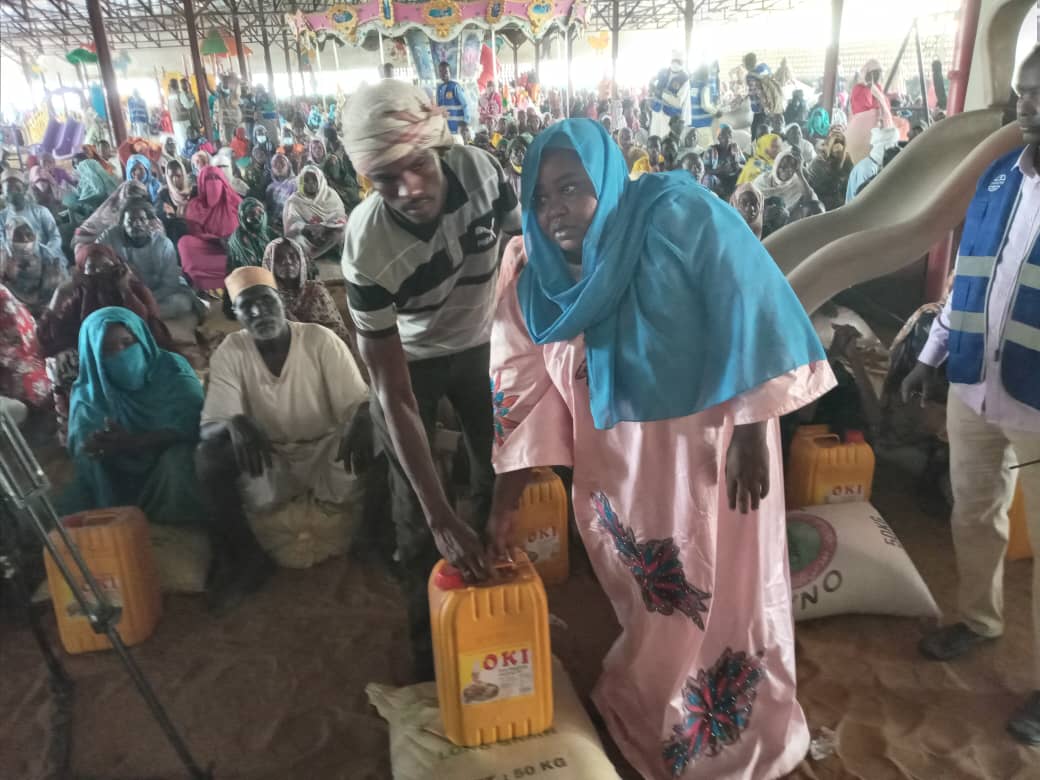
<point>276,690</point>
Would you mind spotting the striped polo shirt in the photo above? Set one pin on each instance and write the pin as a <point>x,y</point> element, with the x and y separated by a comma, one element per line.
<point>432,284</point>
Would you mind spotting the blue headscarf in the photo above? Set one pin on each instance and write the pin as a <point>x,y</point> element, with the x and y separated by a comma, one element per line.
<point>681,306</point>
<point>94,183</point>
<point>150,181</point>
<point>170,399</point>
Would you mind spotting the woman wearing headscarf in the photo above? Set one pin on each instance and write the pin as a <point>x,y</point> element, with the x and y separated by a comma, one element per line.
<point>91,152</point>
<point>339,173</point>
<point>314,215</point>
<point>749,202</point>
<point>94,187</point>
<point>829,173</point>
<point>133,423</point>
<point>723,162</point>
<point>786,181</point>
<point>247,244</point>
<point>256,173</point>
<point>766,150</point>
<point>168,145</point>
<point>23,374</point>
<point>109,214</point>
<point>66,182</point>
<point>199,160</point>
<point>30,269</point>
<point>172,201</point>
<point>868,94</point>
<point>305,299</point>
<point>45,190</point>
<point>101,279</point>
<point>222,160</point>
<point>239,144</point>
<point>281,188</point>
<point>262,140</point>
<point>211,216</point>
<point>672,438</point>
<point>139,168</point>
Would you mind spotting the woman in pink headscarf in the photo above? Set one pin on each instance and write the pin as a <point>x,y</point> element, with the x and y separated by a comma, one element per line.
<point>869,108</point>
<point>868,94</point>
<point>211,217</point>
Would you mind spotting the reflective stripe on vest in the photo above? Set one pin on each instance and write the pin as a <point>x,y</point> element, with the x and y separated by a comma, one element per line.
<point>1023,335</point>
<point>968,265</point>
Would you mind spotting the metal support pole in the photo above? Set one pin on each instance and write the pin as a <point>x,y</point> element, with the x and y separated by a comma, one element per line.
<point>198,67</point>
<point>920,75</point>
<point>899,58</point>
<point>108,74</point>
<point>494,59</point>
<point>688,25</point>
<point>236,28</point>
<point>570,81</point>
<point>288,62</point>
<point>615,32</point>
<point>382,54</point>
<point>830,64</point>
<point>317,63</point>
<point>516,61</point>
<point>265,41</point>
<point>538,60</point>
<point>963,50</point>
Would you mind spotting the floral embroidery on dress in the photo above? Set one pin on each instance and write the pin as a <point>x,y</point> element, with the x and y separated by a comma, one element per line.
<point>717,705</point>
<point>502,404</point>
<point>656,566</point>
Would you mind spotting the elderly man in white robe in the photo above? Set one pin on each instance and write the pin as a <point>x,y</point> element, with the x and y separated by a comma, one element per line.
<point>280,420</point>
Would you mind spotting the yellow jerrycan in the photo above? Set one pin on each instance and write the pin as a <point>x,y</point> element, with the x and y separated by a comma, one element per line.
<point>491,654</point>
<point>115,545</point>
<point>541,526</point>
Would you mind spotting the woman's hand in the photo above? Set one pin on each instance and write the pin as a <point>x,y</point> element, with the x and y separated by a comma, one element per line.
<point>114,439</point>
<point>499,530</point>
<point>747,467</point>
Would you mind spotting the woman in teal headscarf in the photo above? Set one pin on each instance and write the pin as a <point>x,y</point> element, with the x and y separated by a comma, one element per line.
<point>139,168</point>
<point>93,187</point>
<point>650,342</point>
<point>133,423</point>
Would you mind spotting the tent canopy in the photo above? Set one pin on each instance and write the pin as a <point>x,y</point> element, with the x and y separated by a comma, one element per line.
<point>58,26</point>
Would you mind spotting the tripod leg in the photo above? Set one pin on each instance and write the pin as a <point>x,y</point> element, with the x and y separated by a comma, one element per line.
<point>59,748</point>
<point>158,712</point>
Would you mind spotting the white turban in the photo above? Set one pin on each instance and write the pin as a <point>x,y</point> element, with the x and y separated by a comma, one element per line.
<point>390,120</point>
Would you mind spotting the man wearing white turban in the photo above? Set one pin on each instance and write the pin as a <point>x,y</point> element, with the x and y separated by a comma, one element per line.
<point>421,258</point>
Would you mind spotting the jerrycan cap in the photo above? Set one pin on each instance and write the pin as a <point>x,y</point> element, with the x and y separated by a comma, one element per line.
<point>449,578</point>
<point>854,437</point>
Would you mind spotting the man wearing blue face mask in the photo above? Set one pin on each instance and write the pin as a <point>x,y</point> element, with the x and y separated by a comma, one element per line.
<point>133,423</point>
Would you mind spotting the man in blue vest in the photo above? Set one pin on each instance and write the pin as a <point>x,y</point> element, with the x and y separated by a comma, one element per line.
<point>452,98</point>
<point>989,336</point>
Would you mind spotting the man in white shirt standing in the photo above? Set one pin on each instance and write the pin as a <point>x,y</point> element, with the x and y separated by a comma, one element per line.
<point>989,334</point>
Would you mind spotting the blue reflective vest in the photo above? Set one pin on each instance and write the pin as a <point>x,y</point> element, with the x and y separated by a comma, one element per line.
<point>452,98</point>
<point>1018,343</point>
<point>699,117</point>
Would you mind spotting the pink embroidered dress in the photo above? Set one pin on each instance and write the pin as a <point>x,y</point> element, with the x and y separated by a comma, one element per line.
<point>701,681</point>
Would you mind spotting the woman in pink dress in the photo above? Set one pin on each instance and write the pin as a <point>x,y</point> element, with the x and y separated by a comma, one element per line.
<point>650,342</point>
<point>211,217</point>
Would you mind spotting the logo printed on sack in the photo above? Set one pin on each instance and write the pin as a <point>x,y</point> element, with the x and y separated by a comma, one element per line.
<point>997,183</point>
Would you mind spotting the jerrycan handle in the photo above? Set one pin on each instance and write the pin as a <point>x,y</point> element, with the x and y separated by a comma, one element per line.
<point>826,437</point>
<point>506,567</point>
